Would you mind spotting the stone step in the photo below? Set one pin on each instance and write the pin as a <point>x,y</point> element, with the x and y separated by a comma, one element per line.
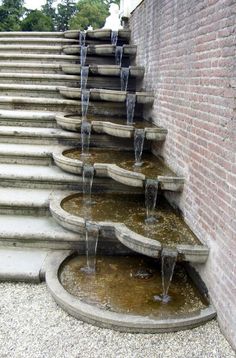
<point>43,58</point>
<point>30,90</point>
<point>64,105</point>
<point>43,232</point>
<point>38,41</point>
<point>39,78</point>
<point>41,136</point>
<point>18,264</point>
<point>32,34</point>
<point>24,48</point>
<point>27,118</point>
<point>35,232</point>
<point>17,201</point>
<point>56,136</point>
<point>26,154</point>
<point>42,177</point>
<point>30,67</point>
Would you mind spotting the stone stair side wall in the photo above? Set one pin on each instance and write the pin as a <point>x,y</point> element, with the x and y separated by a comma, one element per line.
<point>188,50</point>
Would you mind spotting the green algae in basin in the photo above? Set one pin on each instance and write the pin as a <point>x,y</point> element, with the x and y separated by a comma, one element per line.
<point>118,287</point>
<point>151,168</point>
<point>169,230</point>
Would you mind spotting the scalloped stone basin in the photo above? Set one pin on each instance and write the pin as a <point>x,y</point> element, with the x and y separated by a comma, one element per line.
<point>119,166</point>
<point>170,229</point>
<point>116,127</point>
<point>118,297</point>
<point>107,95</point>
<point>100,50</point>
<point>102,70</point>
<point>151,168</point>
<point>127,284</point>
<point>97,34</point>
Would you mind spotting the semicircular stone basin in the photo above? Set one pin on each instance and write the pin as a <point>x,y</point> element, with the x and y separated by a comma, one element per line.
<point>121,294</point>
<point>123,216</point>
<point>119,165</point>
<point>116,127</point>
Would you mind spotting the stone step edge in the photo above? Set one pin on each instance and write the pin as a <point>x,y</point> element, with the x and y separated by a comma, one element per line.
<point>23,265</point>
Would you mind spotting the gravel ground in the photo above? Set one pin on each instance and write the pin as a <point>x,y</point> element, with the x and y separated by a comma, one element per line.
<point>32,325</point>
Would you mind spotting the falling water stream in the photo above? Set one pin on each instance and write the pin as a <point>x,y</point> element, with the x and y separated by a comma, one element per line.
<point>119,55</point>
<point>82,38</point>
<point>84,77</point>
<point>151,189</point>
<point>168,262</point>
<point>92,233</point>
<point>85,137</point>
<point>85,95</point>
<point>124,78</point>
<point>139,136</point>
<point>114,37</point>
<point>130,107</point>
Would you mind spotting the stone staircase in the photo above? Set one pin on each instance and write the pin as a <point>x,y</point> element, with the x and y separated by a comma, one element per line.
<point>30,79</point>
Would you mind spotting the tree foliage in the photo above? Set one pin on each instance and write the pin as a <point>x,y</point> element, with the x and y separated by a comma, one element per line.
<point>11,12</point>
<point>67,14</point>
<point>91,13</point>
<point>36,20</point>
<point>49,10</point>
<point>65,10</point>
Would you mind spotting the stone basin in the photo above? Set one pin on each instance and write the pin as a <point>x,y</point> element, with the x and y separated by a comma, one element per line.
<point>122,216</point>
<point>107,95</point>
<point>116,127</point>
<point>119,166</point>
<point>101,50</point>
<point>121,300</point>
<point>103,70</point>
<point>99,34</point>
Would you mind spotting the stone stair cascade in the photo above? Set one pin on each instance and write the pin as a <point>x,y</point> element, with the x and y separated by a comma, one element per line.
<point>40,123</point>
<point>34,69</point>
<point>32,100</point>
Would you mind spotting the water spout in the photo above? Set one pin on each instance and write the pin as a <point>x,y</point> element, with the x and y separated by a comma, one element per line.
<point>168,262</point>
<point>84,77</point>
<point>119,55</point>
<point>83,55</point>
<point>130,107</point>
<point>92,233</point>
<point>85,137</point>
<point>85,95</point>
<point>114,37</point>
<point>124,78</point>
<point>82,38</point>
<point>139,136</point>
<point>151,189</point>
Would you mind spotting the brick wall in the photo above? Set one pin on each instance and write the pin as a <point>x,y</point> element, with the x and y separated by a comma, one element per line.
<point>188,49</point>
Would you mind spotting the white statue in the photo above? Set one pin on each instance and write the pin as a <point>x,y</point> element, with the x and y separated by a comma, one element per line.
<point>113,21</point>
